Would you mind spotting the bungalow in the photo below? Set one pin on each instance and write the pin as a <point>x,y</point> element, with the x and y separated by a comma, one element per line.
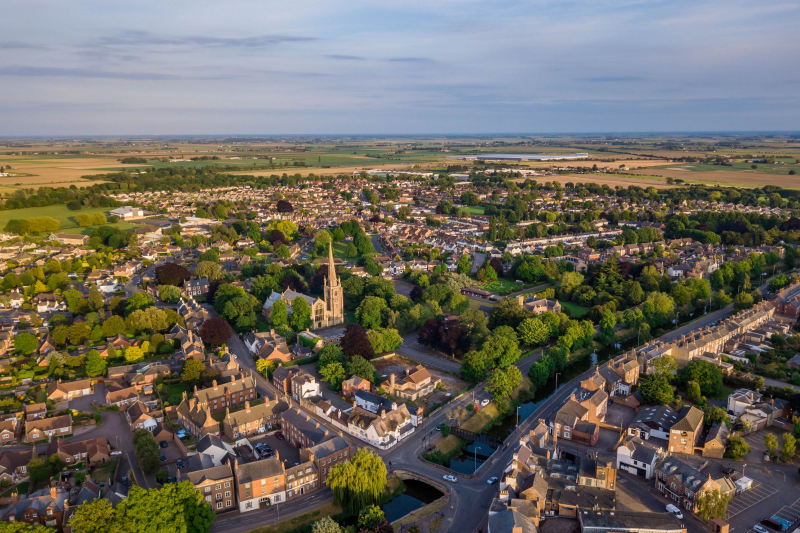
<point>60,391</point>
<point>47,427</point>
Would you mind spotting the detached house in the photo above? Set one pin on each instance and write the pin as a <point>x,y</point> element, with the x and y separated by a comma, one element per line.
<point>685,433</point>
<point>416,383</point>
<point>59,391</point>
<point>47,427</point>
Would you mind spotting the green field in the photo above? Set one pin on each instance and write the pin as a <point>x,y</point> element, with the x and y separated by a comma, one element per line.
<point>473,209</point>
<point>576,310</point>
<point>340,251</point>
<point>789,164</point>
<point>500,286</point>
<point>60,213</point>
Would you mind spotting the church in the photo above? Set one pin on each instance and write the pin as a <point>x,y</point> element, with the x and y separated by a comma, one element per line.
<point>324,313</point>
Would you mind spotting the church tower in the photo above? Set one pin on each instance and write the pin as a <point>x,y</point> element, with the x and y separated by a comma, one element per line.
<point>334,294</point>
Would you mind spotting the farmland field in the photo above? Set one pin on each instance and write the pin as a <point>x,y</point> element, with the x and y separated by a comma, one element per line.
<point>60,213</point>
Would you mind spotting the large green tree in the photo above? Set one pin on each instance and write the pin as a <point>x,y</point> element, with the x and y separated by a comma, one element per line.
<point>655,389</point>
<point>358,483</point>
<point>706,374</point>
<point>301,314</point>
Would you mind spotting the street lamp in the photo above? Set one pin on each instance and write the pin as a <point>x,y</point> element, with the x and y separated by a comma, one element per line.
<point>557,374</point>
<point>475,450</point>
<point>743,467</point>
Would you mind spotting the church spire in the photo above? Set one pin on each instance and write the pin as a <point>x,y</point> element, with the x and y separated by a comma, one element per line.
<point>332,280</point>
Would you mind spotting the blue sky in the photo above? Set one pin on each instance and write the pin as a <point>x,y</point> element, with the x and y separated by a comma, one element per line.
<point>360,67</point>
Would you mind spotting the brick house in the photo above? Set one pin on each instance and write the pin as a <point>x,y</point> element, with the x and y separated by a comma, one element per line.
<point>122,397</point>
<point>47,427</point>
<point>351,386</point>
<point>89,450</point>
<point>282,378</point>
<point>196,418</point>
<point>571,422</point>
<point>215,485</point>
<point>259,483</point>
<point>220,396</point>
<point>416,383</point>
<point>59,391</point>
<point>685,433</point>
<point>326,454</point>
<point>301,430</point>
<point>10,430</point>
<point>252,419</point>
<point>44,507</point>
<point>681,483</point>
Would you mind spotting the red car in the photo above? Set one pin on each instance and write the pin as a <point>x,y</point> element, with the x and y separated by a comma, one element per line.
<point>279,435</point>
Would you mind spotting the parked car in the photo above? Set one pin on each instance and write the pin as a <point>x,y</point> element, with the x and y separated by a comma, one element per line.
<point>492,480</point>
<point>675,511</point>
<point>451,479</point>
<point>772,524</point>
<point>115,453</point>
<point>180,463</point>
<point>485,402</point>
<point>163,458</point>
<point>439,427</point>
<point>279,435</point>
<point>125,480</point>
<point>728,471</point>
<point>163,444</point>
<point>760,529</point>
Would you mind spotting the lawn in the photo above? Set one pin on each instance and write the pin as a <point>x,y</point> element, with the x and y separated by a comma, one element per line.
<point>473,209</point>
<point>340,251</point>
<point>173,392</point>
<point>60,213</point>
<point>500,286</point>
<point>576,310</point>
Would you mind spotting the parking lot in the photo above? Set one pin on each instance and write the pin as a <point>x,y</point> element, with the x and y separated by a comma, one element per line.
<point>287,453</point>
<point>757,493</point>
<point>790,513</point>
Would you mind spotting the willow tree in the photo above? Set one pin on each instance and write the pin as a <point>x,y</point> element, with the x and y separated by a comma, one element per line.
<point>359,482</point>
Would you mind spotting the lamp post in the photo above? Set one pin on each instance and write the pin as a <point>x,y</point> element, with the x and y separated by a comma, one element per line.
<point>743,467</point>
<point>557,374</point>
<point>475,450</point>
<point>518,416</point>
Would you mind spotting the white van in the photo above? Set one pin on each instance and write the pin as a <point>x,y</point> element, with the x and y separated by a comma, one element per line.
<point>675,511</point>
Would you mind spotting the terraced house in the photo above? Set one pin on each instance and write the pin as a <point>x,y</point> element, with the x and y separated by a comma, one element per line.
<point>218,397</point>
<point>253,419</point>
<point>259,483</point>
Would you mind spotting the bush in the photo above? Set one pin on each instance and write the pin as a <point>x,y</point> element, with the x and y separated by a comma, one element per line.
<point>445,431</point>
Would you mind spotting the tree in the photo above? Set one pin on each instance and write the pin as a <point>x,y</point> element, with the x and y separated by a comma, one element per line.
<point>326,525</point>
<point>788,448</point>
<point>372,312</point>
<point>334,374</point>
<point>711,504</point>
<point>369,516</point>
<point>706,374</point>
<point>464,264</point>
<point>351,250</point>
<point>265,367</point>
<point>97,516</point>
<point>771,442</point>
<point>210,270</point>
<point>358,366</point>
<point>693,390</point>
<point>665,365</point>
<point>133,354</point>
<point>192,369</point>
<point>737,447</point>
<point>714,414</point>
<point>24,527</point>
<point>655,389</point>
<point>301,314</point>
<point>283,252</point>
<point>501,383</point>
<point>147,454</point>
<point>95,298</point>
<point>355,342</point>
<point>359,482</point>
<point>176,507</point>
<point>25,343</point>
<point>138,301</point>
<point>169,293</point>
<point>322,238</point>
<point>743,300</point>
<point>113,326</point>
<point>95,364</point>
<point>215,331</point>
<point>172,274</point>
<point>279,314</point>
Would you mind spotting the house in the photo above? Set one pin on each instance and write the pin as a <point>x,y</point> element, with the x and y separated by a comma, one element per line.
<point>326,454</point>
<point>372,402</point>
<point>215,449</point>
<point>685,433</point>
<point>571,422</point>
<point>78,495</point>
<point>259,483</point>
<point>10,430</point>
<point>741,399</point>
<point>351,386</point>
<point>653,421</point>
<point>139,416</point>
<point>304,385</point>
<point>35,411</point>
<point>510,521</point>
<point>301,479</point>
<point>122,397</point>
<point>301,430</point>
<point>215,485</point>
<point>59,391</point>
<point>716,440</point>
<point>384,429</point>
<point>223,395</point>
<point>253,419</point>
<point>474,292</point>
<point>681,483</point>
<point>638,457</point>
<point>44,507</point>
<point>416,383</point>
<point>127,212</point>
<point>195,417</point>
<point>282,377</point>
<point>14,465</point>
<point>46,428</point>
<point>196,287</point>
<point>538,305</point>
<point>90,451</point>
<point>192,313</point>
<point>70,239</point>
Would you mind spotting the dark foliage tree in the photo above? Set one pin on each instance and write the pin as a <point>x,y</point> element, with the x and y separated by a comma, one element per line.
<point>317,283</point>
<point>495,263</point>
<point>355,342</point>
<point>293,282</point>
<point>215,331</point>
<point>172,274</point>
<point>276,237</point>
<point>284,207</point>
<point>416,293</point>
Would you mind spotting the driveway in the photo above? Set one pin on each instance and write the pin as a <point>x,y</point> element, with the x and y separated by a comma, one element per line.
<point>84,403</point>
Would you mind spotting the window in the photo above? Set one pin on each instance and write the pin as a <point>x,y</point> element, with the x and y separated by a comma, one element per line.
<point>219,505</point>
<point>227,494</point>
<point>248,505</point>
<point>208,498</point>
<point>247,495</point>
<point>208,489</point>
<point>218,487</point>
<point>264,481</point>
<point>228,503</point>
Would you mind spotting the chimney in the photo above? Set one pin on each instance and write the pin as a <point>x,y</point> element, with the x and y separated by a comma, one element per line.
<point>233,380</point>
<point>14,497</point>
<point>383,414</point>
<point>277,456</point>
<point>355,403</point>
<point>408,371</point>
<point>394,406</point>
<point>192,403</point>
<point>195,390</point>
<point>184,395</point>
<point>391,381</point>
<point>214,384</point>
<point>53,492</point>
<point>326,433</point>
<point>228,409</point>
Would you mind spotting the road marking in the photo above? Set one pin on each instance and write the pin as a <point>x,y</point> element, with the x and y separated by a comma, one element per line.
<point>758,493</point>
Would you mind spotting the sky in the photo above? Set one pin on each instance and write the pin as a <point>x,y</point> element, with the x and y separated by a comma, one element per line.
<point>170,67</point>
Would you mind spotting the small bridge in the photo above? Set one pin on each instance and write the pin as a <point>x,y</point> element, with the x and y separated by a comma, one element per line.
<point>477,437</point>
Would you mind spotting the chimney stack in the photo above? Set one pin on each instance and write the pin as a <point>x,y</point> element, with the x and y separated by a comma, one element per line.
<point>246,406</point>
<point>214,384</point>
